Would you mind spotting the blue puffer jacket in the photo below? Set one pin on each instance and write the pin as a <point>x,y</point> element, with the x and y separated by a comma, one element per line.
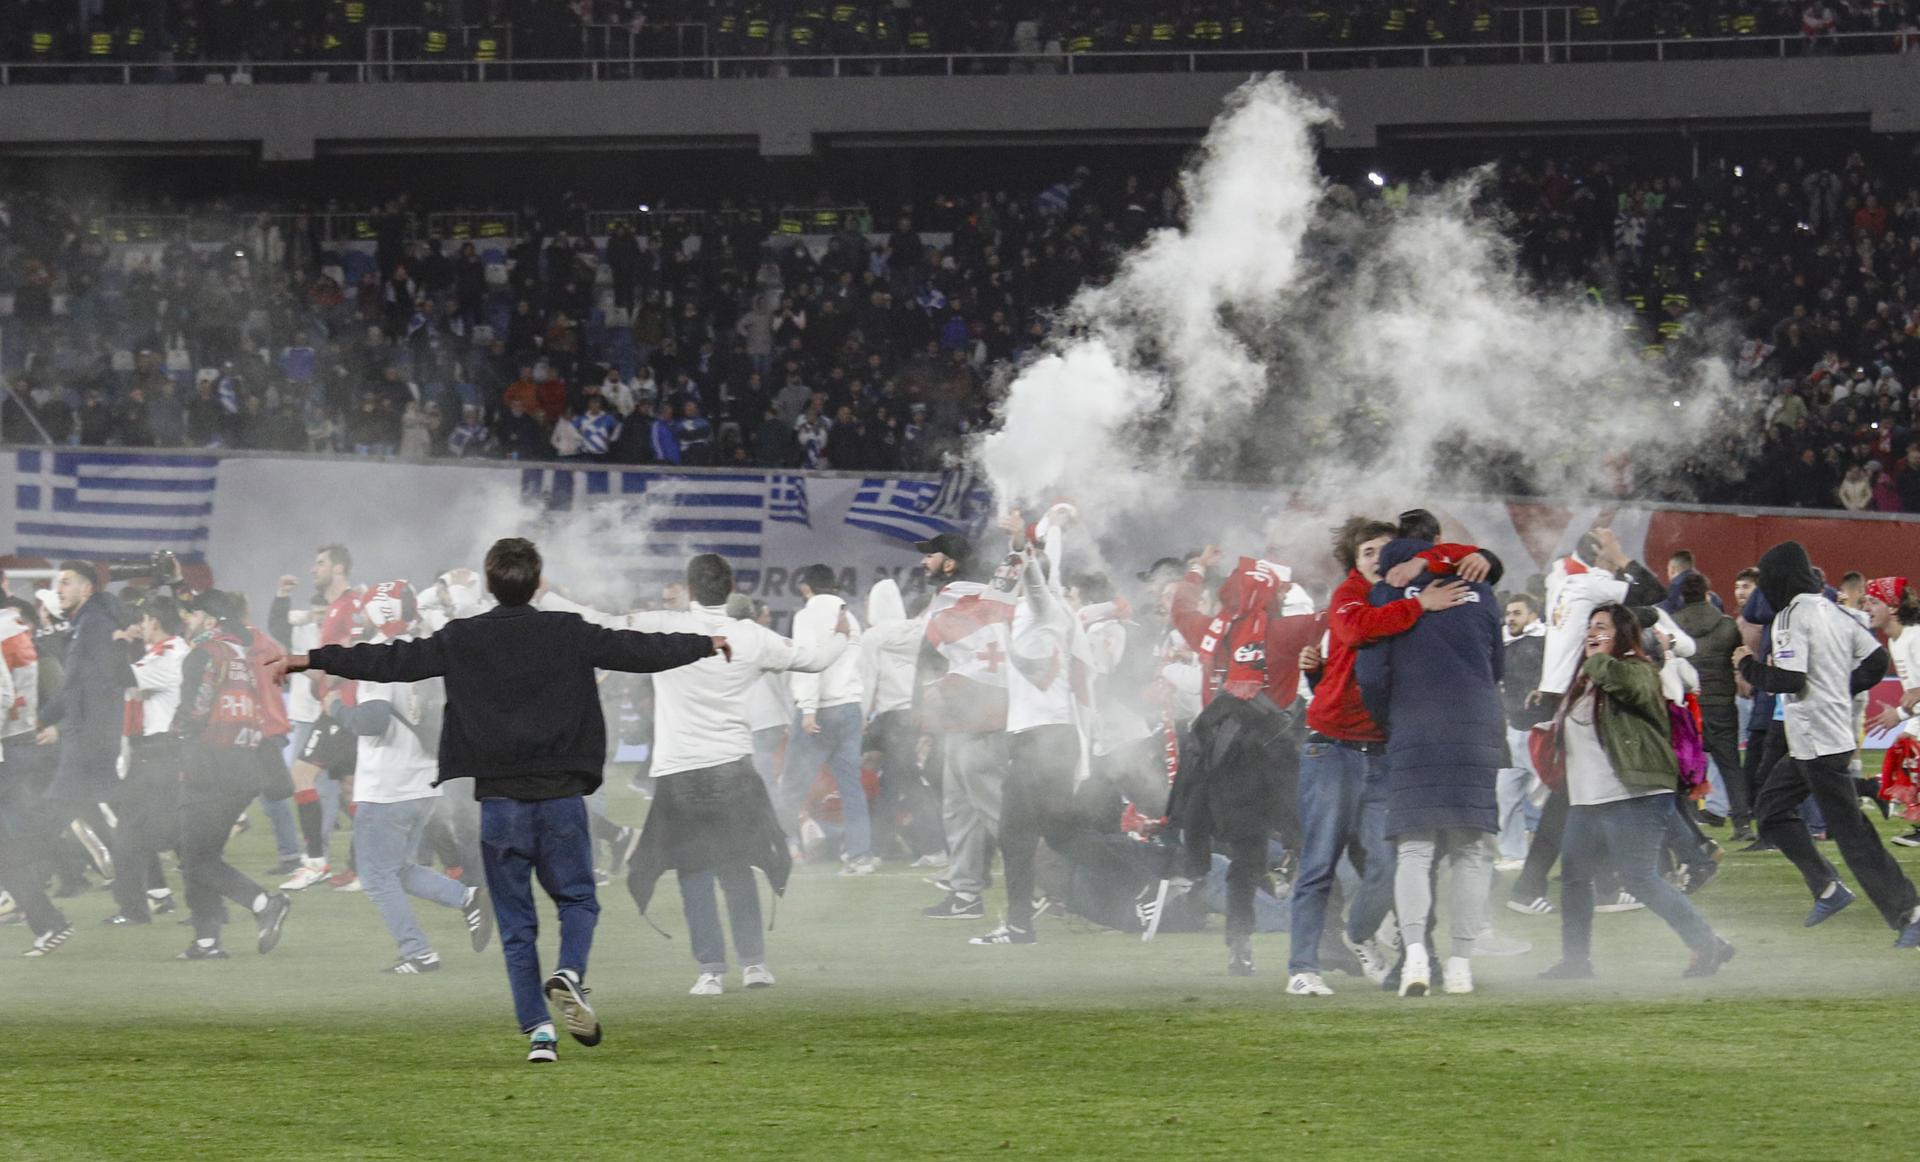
<point>1439,687</point>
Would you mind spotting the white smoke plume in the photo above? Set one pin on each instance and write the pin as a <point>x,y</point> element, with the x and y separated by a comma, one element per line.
<point>1353,349</point>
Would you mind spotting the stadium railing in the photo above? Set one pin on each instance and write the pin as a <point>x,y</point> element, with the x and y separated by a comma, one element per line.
<point>1537,51</point>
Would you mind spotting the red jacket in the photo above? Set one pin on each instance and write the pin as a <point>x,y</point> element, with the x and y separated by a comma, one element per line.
<point>1354,622</point>
<point>1286,637</point>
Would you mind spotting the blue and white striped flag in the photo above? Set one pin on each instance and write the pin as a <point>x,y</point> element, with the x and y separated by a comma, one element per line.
<point>916,510</point>
<point>787,499</point>
<point>100,505</point>
<point>646,524</point>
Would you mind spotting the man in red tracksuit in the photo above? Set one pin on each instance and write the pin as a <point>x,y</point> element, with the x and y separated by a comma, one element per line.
<point>1343,765</point>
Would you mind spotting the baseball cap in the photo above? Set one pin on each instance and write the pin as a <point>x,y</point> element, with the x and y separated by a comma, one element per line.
<point>948,544</point>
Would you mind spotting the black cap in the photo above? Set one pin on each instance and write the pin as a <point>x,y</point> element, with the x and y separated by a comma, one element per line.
<point>221,605</point>
<point>1165,569</point>
<point>948,544</point>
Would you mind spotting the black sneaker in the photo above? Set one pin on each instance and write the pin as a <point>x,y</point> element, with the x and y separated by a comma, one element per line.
<point>46,942</point>
<point>1006,934</point>
<point>285,867</point>
<point>1708,962</point>
<point>479,914</point>
<point>199,951</point>
<point>1910,839</point>
<point>1709,819</point>
<point>957,906</point>
<point>414,965</point>
<point>270,920</point>
<point>1742,833</point>
<point>565,992</point>
<point>1758,845</point>
<point>1569,970</point>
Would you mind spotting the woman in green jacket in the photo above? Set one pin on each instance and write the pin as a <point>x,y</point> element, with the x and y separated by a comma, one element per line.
<point>1621,773</point>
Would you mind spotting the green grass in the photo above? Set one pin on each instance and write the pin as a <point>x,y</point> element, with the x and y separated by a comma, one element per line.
<point>889,1037</point>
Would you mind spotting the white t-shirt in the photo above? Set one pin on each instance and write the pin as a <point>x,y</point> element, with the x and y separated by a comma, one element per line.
<point>1906,665</point>
<point>156,685</point>
<point>1815,637</point>
<point>396,765</point>
<point>700,711</point>
<point>1571,600</point>
<point>1591,780</point>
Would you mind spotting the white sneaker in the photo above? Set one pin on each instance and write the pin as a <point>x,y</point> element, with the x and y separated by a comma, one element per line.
<point>1307,984</point>
<point>312,871</point>
<point>1621,903</point>
<point>7,906</point>
<point>709,985</point>
<point>866,865</point>
<point>1459,980</point>
<point>352,885</point>
<point>937,859</point>
<point>1416,974</point>
<point>755,976</point>
<point>1373,962</point>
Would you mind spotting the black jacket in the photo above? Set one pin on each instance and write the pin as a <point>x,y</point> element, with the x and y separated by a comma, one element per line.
<point>522,703</point>
<point>1520,676</point>
<point>90,706</point>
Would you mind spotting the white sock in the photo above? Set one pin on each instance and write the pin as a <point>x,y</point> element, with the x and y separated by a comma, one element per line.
<point>207,941</point>
<point>543,1032</point>
<point>159,893</point>
<point>1831,889</point>
<point>260,903</point>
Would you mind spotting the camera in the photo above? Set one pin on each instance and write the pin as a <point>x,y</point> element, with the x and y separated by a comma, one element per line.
<point>162,568</point>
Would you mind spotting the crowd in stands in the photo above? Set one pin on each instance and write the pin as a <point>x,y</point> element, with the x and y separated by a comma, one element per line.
<point>877,347</point>
<point>178,31</point>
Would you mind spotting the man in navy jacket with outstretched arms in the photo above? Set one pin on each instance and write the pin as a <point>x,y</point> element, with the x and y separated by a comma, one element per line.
<point>523,721</point>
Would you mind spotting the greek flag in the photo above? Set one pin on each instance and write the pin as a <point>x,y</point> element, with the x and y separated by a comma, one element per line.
<point>646,524</point>
<point>787,499</point>
<point>916,510</point>
<point>100,505</point>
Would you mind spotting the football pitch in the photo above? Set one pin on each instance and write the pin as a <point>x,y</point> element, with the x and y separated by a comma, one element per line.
<point>888,1036</point>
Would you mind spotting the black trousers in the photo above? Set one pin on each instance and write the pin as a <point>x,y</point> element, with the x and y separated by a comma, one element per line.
<point>909,807</point>
<point>148,808</point>
<point>1037,803</point>
<point>1722,738</point>
<point>23,850</point>
<point>1829,779</point>
<point>221,782</point>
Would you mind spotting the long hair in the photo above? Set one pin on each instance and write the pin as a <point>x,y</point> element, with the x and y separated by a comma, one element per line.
<point>1626,646</point>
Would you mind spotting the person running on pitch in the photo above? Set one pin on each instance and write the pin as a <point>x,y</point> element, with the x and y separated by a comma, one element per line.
<point>523,721</point>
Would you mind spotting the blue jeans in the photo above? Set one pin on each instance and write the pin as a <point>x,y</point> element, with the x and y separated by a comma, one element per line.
<point>1343,810</point>
<point>702,909</point>
<point>837,745</point>
<point>387,838</point>
<point>1631,832</point>
<point>547,838</point>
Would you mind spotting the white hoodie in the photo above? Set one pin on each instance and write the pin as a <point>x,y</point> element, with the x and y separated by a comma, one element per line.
<point>700,717</point>
<point>838,684</point>
<point>890,650</point>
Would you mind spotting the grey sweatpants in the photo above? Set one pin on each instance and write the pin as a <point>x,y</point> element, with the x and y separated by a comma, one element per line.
<point>970,806</point>
<point>1469,858</point>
